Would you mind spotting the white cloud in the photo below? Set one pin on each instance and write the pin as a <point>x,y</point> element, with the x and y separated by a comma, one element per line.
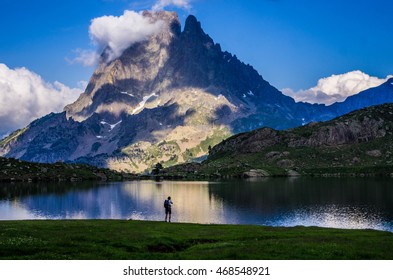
<point>336,88</point>
<point>119,33</point>
<point>25,96</point>
<point>162,4</point>
<point>85,57</point>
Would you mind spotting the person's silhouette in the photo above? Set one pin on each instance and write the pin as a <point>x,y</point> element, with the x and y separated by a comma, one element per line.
<point>168,209</point>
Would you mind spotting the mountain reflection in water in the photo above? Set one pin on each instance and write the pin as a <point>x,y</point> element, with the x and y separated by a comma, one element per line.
<point>325,202</point>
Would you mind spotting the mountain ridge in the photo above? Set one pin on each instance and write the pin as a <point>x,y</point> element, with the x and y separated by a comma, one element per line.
<point>165,99</point>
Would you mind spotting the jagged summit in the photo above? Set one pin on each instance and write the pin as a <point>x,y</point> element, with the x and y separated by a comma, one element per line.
<point>168,61</point>
<point>192,26</point>
<point>164,99</point>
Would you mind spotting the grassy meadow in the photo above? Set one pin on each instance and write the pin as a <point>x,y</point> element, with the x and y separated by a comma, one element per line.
<point>122,239</point>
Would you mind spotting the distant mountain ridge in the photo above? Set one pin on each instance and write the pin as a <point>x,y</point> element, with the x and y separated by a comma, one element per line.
<point>168,99</point>
<point>372,96</point>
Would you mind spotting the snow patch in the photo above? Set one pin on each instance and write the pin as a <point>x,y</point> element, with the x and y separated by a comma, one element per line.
<point>116,124</point>
<point>99,136</point>
<point>143,102</point>
<point>126,93</point>
<point>218,97</point>
<point>112,126</point>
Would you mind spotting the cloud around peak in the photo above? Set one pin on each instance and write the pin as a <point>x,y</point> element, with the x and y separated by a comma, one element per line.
<point>114,34</point>
<point>336,88</point>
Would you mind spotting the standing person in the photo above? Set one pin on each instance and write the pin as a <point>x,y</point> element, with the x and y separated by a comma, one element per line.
<point>168,208</point>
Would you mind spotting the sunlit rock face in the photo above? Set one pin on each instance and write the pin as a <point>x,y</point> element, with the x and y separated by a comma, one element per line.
<point>118,86</point>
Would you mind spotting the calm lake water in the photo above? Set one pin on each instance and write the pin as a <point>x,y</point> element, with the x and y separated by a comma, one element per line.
<point>325,202</point>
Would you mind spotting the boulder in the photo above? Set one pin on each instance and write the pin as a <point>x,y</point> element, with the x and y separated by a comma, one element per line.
<point>254,173</point>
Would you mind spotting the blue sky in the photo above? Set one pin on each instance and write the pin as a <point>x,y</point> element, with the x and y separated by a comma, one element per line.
<point>291,43</point>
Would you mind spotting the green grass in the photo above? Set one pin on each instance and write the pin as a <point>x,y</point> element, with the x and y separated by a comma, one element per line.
<point>120,239</point>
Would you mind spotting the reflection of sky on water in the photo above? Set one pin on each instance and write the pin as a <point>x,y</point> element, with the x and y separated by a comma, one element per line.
<point>11,210</point>
<point>140,200</point>
<point>275,202</point>
<point>192,202</point>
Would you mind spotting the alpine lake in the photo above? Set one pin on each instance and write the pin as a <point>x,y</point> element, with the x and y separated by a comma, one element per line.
<point>355,203</point>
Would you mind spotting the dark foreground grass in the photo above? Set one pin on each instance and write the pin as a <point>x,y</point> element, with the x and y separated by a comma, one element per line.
<point>120,239</point>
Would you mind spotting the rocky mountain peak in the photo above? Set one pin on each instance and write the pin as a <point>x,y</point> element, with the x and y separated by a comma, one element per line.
<point>194,36</point>
<point>170,22</point>
<point>168,60</point>
<point>192,25</point>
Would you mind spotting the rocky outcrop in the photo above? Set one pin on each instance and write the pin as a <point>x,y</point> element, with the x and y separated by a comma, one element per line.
<point>255,173</point>
<point>357,127</point>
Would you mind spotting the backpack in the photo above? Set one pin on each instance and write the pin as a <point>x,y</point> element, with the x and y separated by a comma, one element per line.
<point>166,203</point>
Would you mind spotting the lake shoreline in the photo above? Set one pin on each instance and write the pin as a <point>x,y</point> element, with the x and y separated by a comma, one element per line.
<point>200,171</point>
<point>14,170</point>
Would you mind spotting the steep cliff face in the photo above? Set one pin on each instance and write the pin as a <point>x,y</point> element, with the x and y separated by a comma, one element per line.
<point>118,86</point>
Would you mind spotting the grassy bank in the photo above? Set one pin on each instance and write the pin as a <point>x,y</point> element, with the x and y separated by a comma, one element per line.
<point>120,239</point>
